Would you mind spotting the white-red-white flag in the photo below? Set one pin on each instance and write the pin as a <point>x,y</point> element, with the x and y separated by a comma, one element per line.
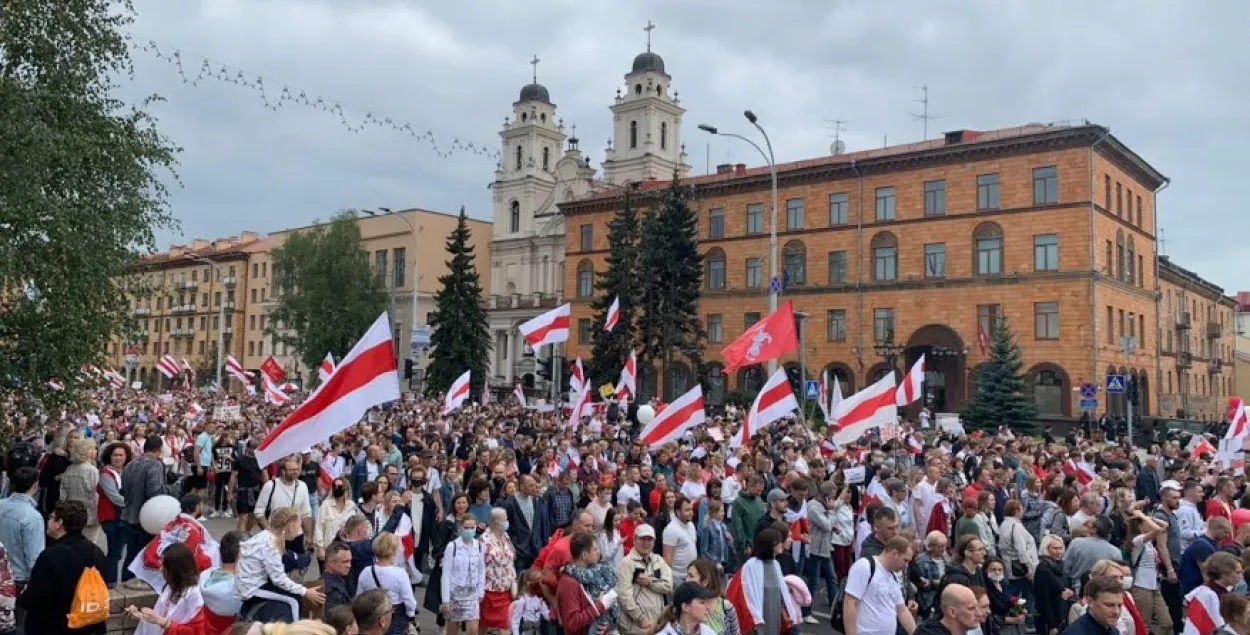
<point>365,378</point>
<point>822,396</point>
<point>683,413</point>
<point>835,397</point>
<point>614,314</point>
<point>1238,419</point>
<point>551,327</point>
<point>1202,612</point>
<point>867,409</point>
<point>519,392</point>
<point>273,392</point>
<point>194,410</point>
<point>116,379</point>
<point>910,390</point>
<point>775,400</point>
<point>187,366</point>
<point>627,387</point>
<point>458,393</point>
<point>326,368</point>
<point>579,406</point>
<point>577,377</point>
<point>55,384</point>
<point>236,370</point>
<point>168,366</point>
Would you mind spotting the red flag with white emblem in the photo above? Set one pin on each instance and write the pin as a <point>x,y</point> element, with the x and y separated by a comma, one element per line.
<point>767,340</point>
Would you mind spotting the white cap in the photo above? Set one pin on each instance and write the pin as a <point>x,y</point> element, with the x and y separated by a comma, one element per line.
<point>1170,485</point>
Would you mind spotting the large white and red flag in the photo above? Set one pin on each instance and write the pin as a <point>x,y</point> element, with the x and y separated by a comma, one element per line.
<point>168,366</point>
<point>116,379</point>
<point>614,314</point>
<point>365,378</point>
<point>683,413</point>
<point>774,401</point>
<point>273,392</point>
<point>835,398</point>
<point>551,327</point>
<point>580,406</point>
<point>1238,419</point>
<point>577,377</point>
<point>458,393</point>
<point>236,370</point>
<point>1202,612</point>
<point>910,390</point>
<point>627,387</point>
<point>869,408</point>
<point>326,368</point>
<point>187,366</point>
<point>822,396</point>
<point>518,391</point>
<point>184,528</point>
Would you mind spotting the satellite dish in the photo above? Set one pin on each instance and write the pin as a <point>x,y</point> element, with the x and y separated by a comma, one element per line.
<point>837,147</point>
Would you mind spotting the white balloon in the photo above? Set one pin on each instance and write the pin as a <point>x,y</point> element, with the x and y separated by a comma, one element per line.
<point>645,414</point>
<point>157,512</point>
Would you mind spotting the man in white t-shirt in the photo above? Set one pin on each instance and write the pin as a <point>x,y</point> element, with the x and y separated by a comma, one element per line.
<point>287,491</point>
<point>681,540</point>
<point>629,490</point>
<point>874,603</point>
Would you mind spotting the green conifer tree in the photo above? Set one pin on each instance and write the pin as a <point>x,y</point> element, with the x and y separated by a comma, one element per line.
<point>461,336</point>
<point>1000,398</point>
<point>619,280</point>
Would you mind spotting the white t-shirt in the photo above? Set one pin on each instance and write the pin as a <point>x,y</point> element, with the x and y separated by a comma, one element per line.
<point>879,598</point>
<point>628,493</point>
<point>295,496</point>
<point>683,537</point>
<point>1146,573</point>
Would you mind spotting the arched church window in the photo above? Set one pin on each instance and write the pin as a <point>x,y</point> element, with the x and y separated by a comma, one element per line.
<point>514,218</point>
<point>524,116</point>
<point>518,157</point>
<point>637,89</point>
<point>546,158</point>
<point>633,134</point>
<point>543,117</point>
<point>663,135</point>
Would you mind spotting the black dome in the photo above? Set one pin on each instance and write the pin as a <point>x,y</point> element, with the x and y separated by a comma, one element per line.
<point>648,62</point>
<point>535,92</point>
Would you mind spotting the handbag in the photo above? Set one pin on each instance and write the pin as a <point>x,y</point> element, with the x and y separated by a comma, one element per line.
<point>1018,569</point>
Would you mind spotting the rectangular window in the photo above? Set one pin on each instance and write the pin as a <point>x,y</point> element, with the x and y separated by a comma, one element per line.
<point>716,328</point>
<point>989,256</point>
<point>1106,192</point>
<point>254,295</point>
<point>837,267</point>
<point>883,325</point>
<point>1141,272</point>
<point>838,208</point>
<point>794,213</point>
<point>400,255</point>
<point>935,260</point>
<point>835,330</point>
<point>251,322</point>
<point>583,331</point>
<point>1139,215</point>
<point>251,348</point>
<point>202,344</point>
<point>987,192</point>
<point>260,347</point>
<point>1046,320</point>
<point>755,218</point>
<point>1046,252</point>
<point>885,264</point>
<point>987,318</point>
<point>755,273</point>
<point>203,299</point>
<point>264,270</point>
<point>749,319</point>
<point>1123,330</point>
<point>935,198</point>
<point>715,271</point>
<point>1045,185</point>
<point>885,203</point>
<point>379,265</point>
<point>1141,325</point>
<point>1110,325</point>
<point>716,223</point>
<point>588,237</point>
<point>1107,270</point>
<point>1119,200</point>
<point>255,271</point>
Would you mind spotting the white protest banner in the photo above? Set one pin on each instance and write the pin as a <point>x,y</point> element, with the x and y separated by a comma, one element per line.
<point>854,475</point>
<point>227,413</point>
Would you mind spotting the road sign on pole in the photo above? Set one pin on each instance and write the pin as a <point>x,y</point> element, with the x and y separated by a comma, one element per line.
<point>1089,405</point>
<point>1116,384</point>
<point>813,389</point>
<point>1089,391</point>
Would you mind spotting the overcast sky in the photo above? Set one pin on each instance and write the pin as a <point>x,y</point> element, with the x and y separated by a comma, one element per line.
<point>1162,75</point>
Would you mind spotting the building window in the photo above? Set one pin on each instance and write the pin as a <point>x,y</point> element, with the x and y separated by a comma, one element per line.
<point>885,203</point>
<point>884,257</point>
<point>755,273</point>
<point>264,270</point>
<point>1109,270</point>
<point>716,328</point>
<point>883,325</point>
<point>255,293</point>
<point>794,259</point>
<point>987,241</point>
<point>203,299</point>
<point>583,331</point>
<point>1141,272</point>
<point>1046,252</point>
<point>1048,393</point>
<point>837,267</point>
<point>400,255</point>
<point>716,223</point>
<point>633,134</point>
<point>935,198</point>
<point>518,157</point>
<point>379,266</point>
<point>588,237</point>
<point>835,329</point>
<point>987,319</point>
<point>585,279</point>
<point>1106,192</point>
<point>987,192</point>
<point>1119,200</point>
<point>755,218</point>
<point>794,213</point>
<point>251,322</point>
<point>1046,185</point>
<point>935,260</point>
<point>838,204</point>
<point>1046,320</point>
<point>1131,276</point>
<point>1119,255</point>
<point>251,348</point>
<point>546,159</point>
<point>715,269</point>
<point>749,319</point>
<point>514,217</point>
<point>1139,214</point>
<point>1122,331</point>
<point>663,135</point>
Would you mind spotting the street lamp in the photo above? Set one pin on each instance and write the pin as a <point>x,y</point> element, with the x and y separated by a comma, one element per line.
<point>416,281</point>
<point>774,284</point>
<point>889,351</point>
<point>221,313</point>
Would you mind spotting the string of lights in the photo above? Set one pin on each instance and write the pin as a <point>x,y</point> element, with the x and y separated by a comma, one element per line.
<point>275,95</point>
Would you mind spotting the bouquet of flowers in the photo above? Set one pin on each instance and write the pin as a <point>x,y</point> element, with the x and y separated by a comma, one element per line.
<point>1017,606</point>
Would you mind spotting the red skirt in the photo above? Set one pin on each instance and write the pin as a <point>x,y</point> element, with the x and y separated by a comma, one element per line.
<point>496,608</point>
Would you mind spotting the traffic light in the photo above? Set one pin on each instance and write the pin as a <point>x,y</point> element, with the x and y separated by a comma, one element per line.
<point>544,368</point>
<point>408,365</point>
<point>566,371</point>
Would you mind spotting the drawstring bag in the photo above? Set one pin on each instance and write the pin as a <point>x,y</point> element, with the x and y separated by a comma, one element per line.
<point>91,600</point>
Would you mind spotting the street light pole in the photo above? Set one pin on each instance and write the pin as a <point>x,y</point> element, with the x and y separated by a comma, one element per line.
<point>416,279</point>
<point>774,283</point>
<point>221,314</point>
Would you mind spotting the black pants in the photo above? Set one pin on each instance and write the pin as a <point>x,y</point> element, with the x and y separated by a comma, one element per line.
<point>271,604</point>
<point>1172,597</point>
<point>136,541</point>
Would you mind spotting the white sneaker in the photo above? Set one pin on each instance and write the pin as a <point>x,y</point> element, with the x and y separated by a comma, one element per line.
<point>215,514</point>
<point>810,619</point>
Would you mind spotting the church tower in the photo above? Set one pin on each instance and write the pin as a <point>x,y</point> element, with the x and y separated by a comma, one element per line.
<point>646,137</point>
<point>531,144</point>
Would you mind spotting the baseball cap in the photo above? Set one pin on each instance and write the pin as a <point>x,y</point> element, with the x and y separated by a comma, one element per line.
<point>1170,485</point>
<point>776,495</point>
<point>644,531</point>
<point>689,592</point>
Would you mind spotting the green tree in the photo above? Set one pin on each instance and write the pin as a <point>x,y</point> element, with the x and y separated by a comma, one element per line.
<point>619,280</point>
<point>81,189</point>
<point>328,294</point>
<point>461,337</point>
<point>671,274</point>
<point>1000,397</point>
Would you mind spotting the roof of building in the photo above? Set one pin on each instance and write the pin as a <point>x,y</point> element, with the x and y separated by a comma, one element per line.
<point>648,61</point>
<point>1243,301</point>
<point>228,248</point>
<point>535,92</point>
<point>1180,275</point>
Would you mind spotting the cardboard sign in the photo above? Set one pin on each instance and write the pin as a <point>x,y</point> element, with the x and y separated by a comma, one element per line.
<point>227,413</point>
<point>854,475</point>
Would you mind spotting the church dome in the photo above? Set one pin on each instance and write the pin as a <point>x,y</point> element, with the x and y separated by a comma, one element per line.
<point>648,61</point>
<point>535,92</point>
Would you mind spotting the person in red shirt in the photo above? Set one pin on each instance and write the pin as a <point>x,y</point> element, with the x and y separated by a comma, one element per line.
<point>1241,515</point>
<point>635,517</point>
<point>575,609</point>
<point>1221,505</point>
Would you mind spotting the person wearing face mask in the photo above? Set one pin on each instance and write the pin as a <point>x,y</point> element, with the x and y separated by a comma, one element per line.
<point>1000,602</point>
<point>463,578</point>
<point>500,562</point>
<point>1129,621</point>
<point>333,513</point>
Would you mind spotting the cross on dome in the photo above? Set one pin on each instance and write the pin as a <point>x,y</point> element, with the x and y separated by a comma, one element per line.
<point>648,29</point>
<point>534,62</point>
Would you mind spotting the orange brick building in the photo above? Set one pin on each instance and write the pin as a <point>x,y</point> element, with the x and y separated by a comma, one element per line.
<point>1051,226</point>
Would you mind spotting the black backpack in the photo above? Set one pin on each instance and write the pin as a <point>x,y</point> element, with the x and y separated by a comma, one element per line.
<point>22,454</point>
<point>835,611</point>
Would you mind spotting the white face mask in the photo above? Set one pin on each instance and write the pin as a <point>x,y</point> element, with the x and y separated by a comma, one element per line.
<point>994,577</point>
<point>1127,581</point>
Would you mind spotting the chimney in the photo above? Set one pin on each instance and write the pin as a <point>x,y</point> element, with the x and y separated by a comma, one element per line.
<point>954,137</point>
<point>725,168</point>
<point>740,169</point>
<point>246,238</point>
<point>198,244</point>
<point>176,251</point>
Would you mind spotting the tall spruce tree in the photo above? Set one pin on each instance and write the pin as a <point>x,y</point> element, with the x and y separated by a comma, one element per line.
<point>620,280</point>
<point>671,274</point>
<point>461,337</point>
<point>1000,397</point>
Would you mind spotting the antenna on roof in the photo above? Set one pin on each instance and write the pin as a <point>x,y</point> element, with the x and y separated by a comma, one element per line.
<point>1163,243</point>
<point>924,115</point>
<point>838,146</point>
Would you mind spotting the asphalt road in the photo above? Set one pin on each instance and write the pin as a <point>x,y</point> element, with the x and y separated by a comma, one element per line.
<point>219,526</point>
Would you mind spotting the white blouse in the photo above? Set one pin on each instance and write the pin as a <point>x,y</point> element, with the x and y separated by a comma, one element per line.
<point>463,566</point>
<point>394,581</point>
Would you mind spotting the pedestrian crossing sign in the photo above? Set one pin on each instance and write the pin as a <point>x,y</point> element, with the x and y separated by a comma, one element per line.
<point>1115,384</point>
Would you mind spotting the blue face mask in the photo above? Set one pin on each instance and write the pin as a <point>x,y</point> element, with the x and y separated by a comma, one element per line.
<point>468,534</point>
<point>505,525</point>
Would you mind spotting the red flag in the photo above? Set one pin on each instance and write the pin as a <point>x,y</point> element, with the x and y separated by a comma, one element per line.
<point>273,369</point>
<point>983,340</point>
<point>768,339</point>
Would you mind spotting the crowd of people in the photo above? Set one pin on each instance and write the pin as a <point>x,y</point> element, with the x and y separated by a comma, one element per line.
<point>503,519</point>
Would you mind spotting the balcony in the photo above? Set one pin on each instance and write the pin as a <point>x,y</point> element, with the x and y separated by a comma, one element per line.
<point>185,308</point>
<point>187,286</point>
<point>1215,366</point>
<point>229,281</point>
<point>1184,359</point>
<point>519,301</point>
<point>1183,321</point>
<point>1215,330</point>
<point>230,305</point>
<point>187,332</point>
<point>141,311</point>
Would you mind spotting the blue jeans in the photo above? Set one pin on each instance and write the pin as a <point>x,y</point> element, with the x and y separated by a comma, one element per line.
<point>115,533</point>
<point>820,568</point>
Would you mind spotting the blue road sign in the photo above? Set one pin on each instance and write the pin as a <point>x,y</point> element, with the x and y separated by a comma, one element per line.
<point>1115,384</point>
<point>1089,391</point>
<point>1089,404</point>
<point>813,389</point>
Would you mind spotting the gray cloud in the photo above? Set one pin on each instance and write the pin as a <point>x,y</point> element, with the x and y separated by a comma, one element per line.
<point>1162,75</point>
